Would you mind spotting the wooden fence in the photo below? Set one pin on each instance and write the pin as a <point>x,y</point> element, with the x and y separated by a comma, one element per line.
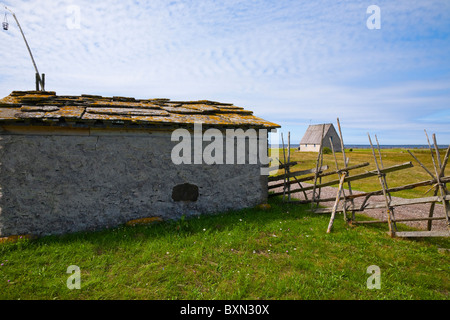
<point>344,203</point>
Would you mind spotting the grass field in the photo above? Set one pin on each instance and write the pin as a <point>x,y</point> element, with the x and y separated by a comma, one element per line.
<point>390,157</point>
<point>278,253</point>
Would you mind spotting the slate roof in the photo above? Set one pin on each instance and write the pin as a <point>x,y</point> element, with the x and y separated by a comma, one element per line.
<point>47,108</point>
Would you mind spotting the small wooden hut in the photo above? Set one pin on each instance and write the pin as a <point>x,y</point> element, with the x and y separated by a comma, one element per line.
<point>311,139</point>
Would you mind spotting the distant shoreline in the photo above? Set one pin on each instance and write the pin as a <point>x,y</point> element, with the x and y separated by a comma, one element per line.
<point>386,146</point>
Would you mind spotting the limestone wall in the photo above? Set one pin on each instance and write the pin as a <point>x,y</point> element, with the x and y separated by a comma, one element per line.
<point>59,183</point>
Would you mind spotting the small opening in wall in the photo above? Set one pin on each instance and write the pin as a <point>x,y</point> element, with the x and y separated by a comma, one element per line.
<point>185,192</point>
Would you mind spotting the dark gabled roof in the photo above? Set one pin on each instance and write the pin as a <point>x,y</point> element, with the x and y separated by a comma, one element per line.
<point>46,108</point>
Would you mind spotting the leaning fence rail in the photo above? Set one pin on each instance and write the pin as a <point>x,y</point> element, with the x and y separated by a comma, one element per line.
<point>344,203</point>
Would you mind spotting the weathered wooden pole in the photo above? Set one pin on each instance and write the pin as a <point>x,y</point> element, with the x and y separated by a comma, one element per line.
<point>382,177</point>
<point>339,176</point>
<point>317,167</point>
<point>422,165</point>
<point>436,190</point>
<point>379,152</point>
<point>440,184</point>
<point>338,196</point>
<point>285,168</point>
<point>289,169</point>
<point>345,165</point>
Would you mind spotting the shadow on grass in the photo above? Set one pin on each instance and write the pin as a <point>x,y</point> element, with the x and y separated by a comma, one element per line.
<point>255,218</point>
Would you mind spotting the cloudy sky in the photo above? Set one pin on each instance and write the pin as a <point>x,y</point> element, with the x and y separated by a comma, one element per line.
<point>293,62</point>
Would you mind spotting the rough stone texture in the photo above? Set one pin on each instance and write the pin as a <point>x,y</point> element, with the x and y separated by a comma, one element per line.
<point>55,184</point>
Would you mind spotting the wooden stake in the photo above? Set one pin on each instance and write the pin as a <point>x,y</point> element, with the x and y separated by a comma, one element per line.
<point>339,175</point>
<point>288,169</point>
<point>382,167</point>
<point>342,139</point>
<point>431,212</point>
<point>380,177</point>
<point>345,164</point>
<point>285,169</point>
<point>437,179</point>
<point>334,154</point>
<point>320,165</point>
<point>432,155</point>
<point>440,184</point>
<point>421,164</point>
<point>444,163</point>
<point>438,156</point>
<point>379,152</point>
<point>442,189</point>
<point>317,167</point>
<point>338,196</point>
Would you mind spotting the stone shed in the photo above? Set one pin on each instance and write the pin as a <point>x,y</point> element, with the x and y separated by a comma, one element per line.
<point>76,163</point>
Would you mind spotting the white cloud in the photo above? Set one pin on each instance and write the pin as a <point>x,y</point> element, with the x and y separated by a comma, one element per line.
<point>289,61</point>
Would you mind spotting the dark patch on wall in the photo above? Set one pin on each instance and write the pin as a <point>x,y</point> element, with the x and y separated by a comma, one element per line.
<point>185,192</point>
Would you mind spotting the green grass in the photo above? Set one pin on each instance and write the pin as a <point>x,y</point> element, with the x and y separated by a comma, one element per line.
<point>390,157</point>
<point>280,253</point>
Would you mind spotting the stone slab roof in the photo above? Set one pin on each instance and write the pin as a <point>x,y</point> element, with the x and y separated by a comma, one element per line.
<point>47,108</point>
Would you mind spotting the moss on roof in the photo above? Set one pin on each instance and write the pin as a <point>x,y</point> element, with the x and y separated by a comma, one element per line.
<point>36,107</point>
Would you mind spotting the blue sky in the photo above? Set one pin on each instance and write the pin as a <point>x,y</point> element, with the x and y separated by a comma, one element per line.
<point>293,62</point>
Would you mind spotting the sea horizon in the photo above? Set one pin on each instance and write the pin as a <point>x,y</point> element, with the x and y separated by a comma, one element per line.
<point>382,146</point>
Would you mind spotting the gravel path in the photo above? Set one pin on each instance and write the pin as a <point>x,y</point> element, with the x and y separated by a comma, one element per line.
<point>409,211</point>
